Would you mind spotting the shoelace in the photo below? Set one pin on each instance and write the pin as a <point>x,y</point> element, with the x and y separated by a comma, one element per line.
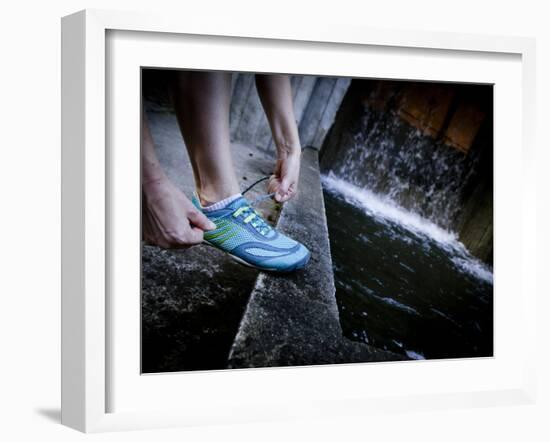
<point>254,218</point>
<point>251,215</point>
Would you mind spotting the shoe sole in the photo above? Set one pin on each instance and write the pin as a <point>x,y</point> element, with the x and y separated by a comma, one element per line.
<point>298,266</point>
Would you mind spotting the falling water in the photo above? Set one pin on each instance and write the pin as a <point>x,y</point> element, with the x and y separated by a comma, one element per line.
<point>392,197</point>
<point>385,211</point>
<point>394,160</point>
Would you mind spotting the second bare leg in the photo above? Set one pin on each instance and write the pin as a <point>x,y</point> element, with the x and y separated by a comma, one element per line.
<point>201,100</point>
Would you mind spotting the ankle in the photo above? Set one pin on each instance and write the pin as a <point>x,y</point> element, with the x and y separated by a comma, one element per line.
<point>207,197</point>
<point>220,204</point>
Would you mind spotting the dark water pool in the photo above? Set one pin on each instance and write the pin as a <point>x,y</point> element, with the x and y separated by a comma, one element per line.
<point>405,286</point>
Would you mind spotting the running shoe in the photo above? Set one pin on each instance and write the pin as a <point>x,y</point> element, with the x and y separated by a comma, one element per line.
<point>249,239</point>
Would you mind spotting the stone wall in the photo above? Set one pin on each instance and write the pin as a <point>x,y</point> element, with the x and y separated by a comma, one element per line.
<point>316,101</point>
<point>448,127</point>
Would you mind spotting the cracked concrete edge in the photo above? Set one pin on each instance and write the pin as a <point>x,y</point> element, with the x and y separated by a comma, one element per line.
<point>293,319</point>
<point>254,309</point>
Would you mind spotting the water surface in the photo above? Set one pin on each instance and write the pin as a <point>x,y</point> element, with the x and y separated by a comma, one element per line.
<point>403,283</point>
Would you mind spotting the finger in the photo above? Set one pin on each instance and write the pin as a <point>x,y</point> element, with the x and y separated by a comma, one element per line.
<point>283,198</point>
<point>285,184</point>
<point>272,184</point>
<point>292,191</point>
<point>183,239</point>
<point>199,220</point>
<point>273,188</point>
<point>283,190</point>
<point>195,236</point>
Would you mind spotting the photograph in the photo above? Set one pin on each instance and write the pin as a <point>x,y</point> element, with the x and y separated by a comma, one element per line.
<point>299,220</point>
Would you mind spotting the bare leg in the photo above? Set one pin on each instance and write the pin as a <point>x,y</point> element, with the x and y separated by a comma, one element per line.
<point>201,100</point>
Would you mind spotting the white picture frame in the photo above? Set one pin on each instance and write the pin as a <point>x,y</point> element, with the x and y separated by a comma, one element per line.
<point>87,356</point>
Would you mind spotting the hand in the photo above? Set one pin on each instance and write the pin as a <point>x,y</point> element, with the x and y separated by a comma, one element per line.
<point>169,219</point>
<point>284,180</point>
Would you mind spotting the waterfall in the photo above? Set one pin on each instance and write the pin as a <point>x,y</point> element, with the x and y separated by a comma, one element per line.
<point>407,170</point>
<point>396,174</point>
<point>387,156</point>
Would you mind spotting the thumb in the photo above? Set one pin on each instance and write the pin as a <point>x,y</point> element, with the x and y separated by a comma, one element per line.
<point>199,220</point>
<point>283,189</point>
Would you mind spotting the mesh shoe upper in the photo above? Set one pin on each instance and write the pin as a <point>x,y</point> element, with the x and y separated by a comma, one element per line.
<point>243,233</point>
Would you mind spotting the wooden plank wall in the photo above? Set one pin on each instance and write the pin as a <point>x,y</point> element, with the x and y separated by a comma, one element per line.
<point>316,101</point>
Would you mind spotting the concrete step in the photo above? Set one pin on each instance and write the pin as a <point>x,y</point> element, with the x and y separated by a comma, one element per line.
<point>293,319</point>
<point>192,300</point>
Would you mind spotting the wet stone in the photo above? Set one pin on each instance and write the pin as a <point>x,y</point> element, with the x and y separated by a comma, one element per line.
<point>193,300</point>
<point>192,303</point>
<point>293,319</point>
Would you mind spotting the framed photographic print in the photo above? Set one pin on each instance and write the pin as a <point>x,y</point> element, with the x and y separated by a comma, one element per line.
<point>264,222</point>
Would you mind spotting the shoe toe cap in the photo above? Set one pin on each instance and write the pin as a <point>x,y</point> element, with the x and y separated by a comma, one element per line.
<point>294,261</point>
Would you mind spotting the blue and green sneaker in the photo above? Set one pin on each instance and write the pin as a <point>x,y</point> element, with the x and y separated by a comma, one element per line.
<point>243,233</point>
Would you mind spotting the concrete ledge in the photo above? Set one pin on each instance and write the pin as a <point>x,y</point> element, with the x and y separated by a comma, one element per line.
<point>193,300</point>
<point>293,319</point>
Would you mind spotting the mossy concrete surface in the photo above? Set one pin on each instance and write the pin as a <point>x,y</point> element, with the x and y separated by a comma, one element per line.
<point>292,319</point>
<point>198,304</point>
<point>193,299</point>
